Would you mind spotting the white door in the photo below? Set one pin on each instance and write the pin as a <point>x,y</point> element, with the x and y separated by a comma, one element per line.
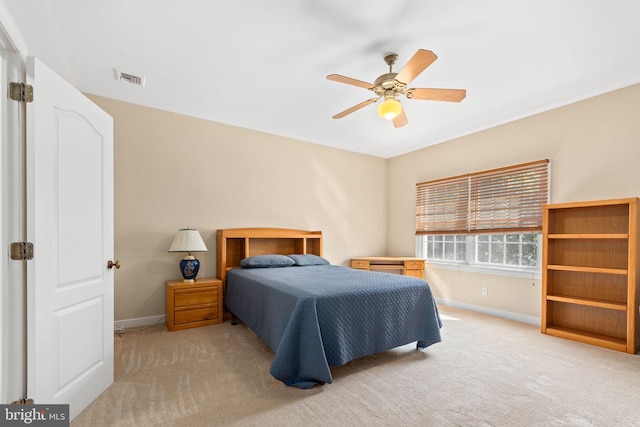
<point>70,223</point>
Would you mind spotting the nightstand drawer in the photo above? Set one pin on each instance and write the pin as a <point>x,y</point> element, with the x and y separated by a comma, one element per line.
<point>196,314</point>
<point>185,297</point>
<point>414,264</point>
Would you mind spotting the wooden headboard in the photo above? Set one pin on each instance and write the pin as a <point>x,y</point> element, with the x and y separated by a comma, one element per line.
<point>234,244</point>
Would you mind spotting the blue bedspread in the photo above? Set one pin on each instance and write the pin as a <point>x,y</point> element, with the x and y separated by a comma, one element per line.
<point>314,317</point>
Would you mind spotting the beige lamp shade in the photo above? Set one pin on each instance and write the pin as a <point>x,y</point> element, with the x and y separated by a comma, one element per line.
<point>188,240</point>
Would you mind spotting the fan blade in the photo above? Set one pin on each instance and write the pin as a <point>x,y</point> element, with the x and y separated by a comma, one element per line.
<point>449,95</point>
<point>400,120</point>
<point>417,64</point>
<point>355,108</point>
<point>348,80</point>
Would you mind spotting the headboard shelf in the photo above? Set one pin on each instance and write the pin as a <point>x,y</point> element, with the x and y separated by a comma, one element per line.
<point>235,244</point>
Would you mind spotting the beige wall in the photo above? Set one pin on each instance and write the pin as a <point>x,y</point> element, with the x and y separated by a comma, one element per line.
<point>594,148</point>
<point>364,205</point>
<point>173,171</point>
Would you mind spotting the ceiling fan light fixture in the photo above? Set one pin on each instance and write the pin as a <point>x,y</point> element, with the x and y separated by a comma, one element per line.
<point>391,85</point>
<point>389,109</point>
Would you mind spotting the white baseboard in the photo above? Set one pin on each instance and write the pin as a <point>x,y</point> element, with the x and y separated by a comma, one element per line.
<point>120,325</point>
<point>532,320</point>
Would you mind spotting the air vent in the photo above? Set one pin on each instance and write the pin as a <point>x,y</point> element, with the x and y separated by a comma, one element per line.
<point>136,80</point>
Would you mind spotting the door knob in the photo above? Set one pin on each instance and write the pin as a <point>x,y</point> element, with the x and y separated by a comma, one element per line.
<point>112,264</point>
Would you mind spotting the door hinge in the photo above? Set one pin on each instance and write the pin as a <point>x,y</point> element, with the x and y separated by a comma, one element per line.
<point>23,402</point>
<point>21,251</point>
<point>20,92</point>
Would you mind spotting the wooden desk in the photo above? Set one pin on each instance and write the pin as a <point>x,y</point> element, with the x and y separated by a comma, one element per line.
<point>408,266</point>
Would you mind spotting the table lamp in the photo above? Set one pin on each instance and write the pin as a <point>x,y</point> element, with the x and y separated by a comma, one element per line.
<point>188,240</point>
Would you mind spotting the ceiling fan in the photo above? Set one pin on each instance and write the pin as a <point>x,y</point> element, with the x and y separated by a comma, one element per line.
<point>391,85</point>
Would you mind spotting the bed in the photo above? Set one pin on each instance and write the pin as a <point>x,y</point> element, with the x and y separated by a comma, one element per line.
<point>315,315</point>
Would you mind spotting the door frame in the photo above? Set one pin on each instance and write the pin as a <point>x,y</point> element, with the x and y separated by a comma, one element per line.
<point>12,215</point>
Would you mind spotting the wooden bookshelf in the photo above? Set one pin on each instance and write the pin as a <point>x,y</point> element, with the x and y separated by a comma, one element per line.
<point>590,271</point>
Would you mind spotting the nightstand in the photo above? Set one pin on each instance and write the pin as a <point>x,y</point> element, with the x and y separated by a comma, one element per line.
<point>190,305</point>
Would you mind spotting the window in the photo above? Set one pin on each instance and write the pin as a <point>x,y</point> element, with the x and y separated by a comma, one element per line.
<point>502,251</point>
<point>445,247</point>
<point>489,219</point>
<point>508,250</point>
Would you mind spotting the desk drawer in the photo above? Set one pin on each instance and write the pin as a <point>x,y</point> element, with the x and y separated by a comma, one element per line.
<point>415,265</point>
<point>414,273</point>
<point>356,263</point>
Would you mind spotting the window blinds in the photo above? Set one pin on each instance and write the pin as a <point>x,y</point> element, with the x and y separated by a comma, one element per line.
<point>508,199</point>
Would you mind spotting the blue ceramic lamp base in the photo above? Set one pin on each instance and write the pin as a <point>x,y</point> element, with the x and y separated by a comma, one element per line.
<point>189,267</point>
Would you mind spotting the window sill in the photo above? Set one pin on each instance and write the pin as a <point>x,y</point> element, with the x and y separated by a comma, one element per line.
<point>494,271</point>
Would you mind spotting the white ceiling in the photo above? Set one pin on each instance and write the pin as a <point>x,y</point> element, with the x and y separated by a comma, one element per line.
<point>262,64</point>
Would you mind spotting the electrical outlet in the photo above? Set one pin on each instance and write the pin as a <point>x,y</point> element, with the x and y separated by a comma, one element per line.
<point>485,291</point>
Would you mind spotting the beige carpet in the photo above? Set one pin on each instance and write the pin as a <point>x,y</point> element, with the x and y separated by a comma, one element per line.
<point>487,372</point>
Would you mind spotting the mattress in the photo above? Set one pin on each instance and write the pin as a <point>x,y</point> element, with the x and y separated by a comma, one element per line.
<point>318,316</point>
